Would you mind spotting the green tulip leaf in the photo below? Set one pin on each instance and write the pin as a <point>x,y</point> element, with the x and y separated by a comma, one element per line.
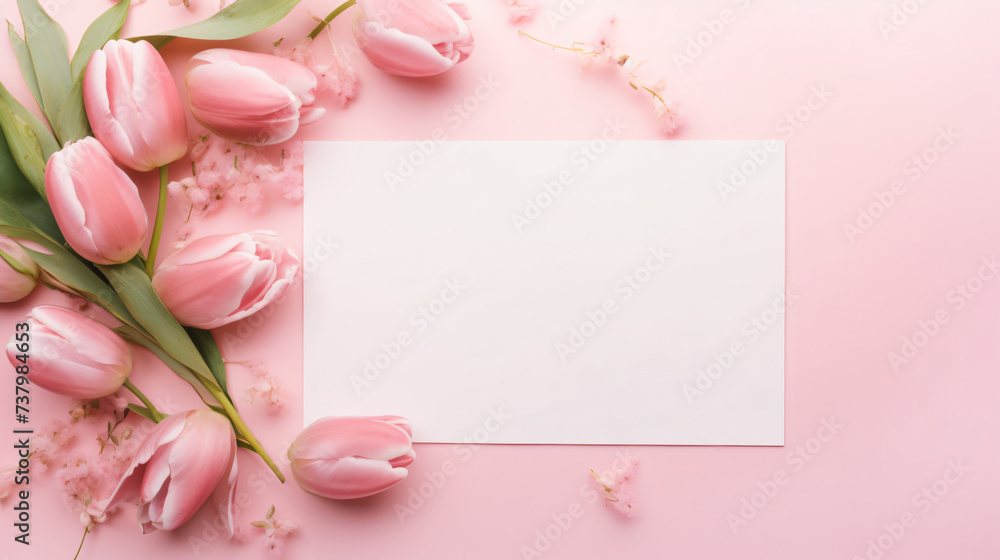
<point>24,62</point>
<point>132,335</point>
<point>106,27</point>
<point>17,266</point>
<point>142,411</point>
<point>210,351</point>
<point>22,198</point>
<point>23,142</point>
<point>137,292</point>
<point>239,19</point>
<point>62,265</point>
<point>73,124</point>
<point>46,42</point>
<point>28,139</point>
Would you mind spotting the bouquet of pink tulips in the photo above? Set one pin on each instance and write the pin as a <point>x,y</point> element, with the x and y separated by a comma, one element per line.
<point>72,219</point>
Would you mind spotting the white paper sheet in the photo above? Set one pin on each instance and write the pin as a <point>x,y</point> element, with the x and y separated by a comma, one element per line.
<point>548,292</point>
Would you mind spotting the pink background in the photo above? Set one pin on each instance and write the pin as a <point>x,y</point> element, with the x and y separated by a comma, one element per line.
<point>857,300</point>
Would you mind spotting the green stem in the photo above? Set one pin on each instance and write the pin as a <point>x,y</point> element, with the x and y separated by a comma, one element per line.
<point>79,548</point>
<point>152,409</point>
<point>326,21</point>
<point>161,208</point>
<point>244,430</point>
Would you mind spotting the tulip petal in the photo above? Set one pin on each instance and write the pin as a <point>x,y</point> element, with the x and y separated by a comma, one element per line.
<point>130,484</point>
<point>74,355</point>
<point>264,274</point>
<point>196,466</point>
<point>157,475</point>
<point>397,52</point>
<point>287,272</point>
<point>98,105</point>
<point>198,295</point>
<point>339,437</point>
<point>348,478</point>
<point>297,78</point>
<point>90,338</point>
<point>266,112</point>
<point>161,120</point>
<point>224,495</point>
<point>220,279</point>
<point>69,214</point>
<point>96,205</point>
<point>432,20</point>
<point>208,248</point>
<point>133,105</point>
<point>404,460</point>
<point>309,115</point>
<point>398,421</point>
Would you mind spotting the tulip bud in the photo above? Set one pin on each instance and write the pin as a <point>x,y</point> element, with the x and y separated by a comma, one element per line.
<point>96,205</point>
<point>219,279</point>
<point>351,457</point>
<point>133,105</point>
<point>251,98</point>
<point>186,458</point>
<point>415,38</point>
<point>71,354</point>
<point>18,273</point>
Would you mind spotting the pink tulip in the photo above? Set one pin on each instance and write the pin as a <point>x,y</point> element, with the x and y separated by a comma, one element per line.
<point>18,273</point>
<point>71,354</point>
<point>219,279</point>
<point>133,105</point>
<point>251,98</point>
<point>186,458</point>
<point>96,205</point>
<point>351,457</point>
<point>415,38</point>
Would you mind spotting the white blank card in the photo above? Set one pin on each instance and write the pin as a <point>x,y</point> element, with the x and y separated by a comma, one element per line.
<point>548,292</point>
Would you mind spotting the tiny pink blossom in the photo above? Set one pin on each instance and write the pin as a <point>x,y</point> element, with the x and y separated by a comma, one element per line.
<point>268,389</point>
<point>49,442</point>
<point>96,409</point>
<point>521,10</point>
<point>668,116</point>
<point>292,181</point>
<point>87,482</point>
<point>601,46</point>
<point>276,530</point>
<point>222,170</point>
<point>336,76</point>
<point>185,231</point>
<point>616,486</point>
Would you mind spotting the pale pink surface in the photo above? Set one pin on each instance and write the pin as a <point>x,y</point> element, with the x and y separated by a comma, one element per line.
<point>856,300</point>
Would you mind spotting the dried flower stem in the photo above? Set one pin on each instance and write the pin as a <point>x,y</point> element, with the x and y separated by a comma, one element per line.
<point>326,21</point>
<point>574,48</point>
